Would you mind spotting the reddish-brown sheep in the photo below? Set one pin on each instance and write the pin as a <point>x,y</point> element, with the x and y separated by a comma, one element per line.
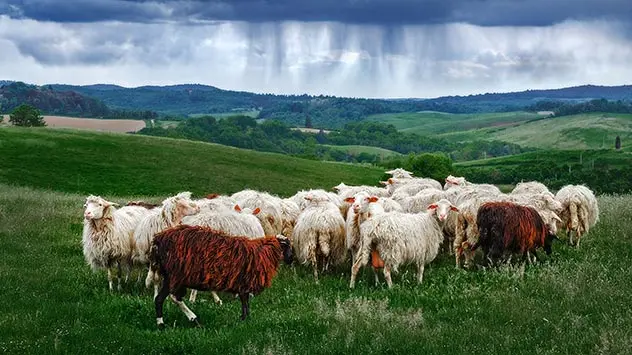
<point>208,260</point>
<point>509,227</point>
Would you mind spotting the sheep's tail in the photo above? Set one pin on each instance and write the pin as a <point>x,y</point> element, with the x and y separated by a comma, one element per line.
<point>574,220</point>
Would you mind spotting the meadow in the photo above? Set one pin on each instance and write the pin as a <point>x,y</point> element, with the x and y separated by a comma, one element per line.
<point>574,301</point>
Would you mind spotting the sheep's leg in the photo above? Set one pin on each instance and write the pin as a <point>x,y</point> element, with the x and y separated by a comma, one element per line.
<point>387,276</point>
<point>110,279</point>
<point>245,306</point>
<point>216,298</point>
<point>457,256</point>
<point>177,299</point>
<point>569,234</point>
<point>377,279</point>
<point>120,275</point>
<point>193,296</point>
<point>578,239</point>
<point>314,262</point>
<point>420,272</point>
<point>159,300</point>
<point>354,272</point>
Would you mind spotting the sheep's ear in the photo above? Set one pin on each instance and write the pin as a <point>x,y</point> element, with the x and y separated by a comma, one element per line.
<point>256,211</point>
<point>390,181</point>
<point>557,218</point>
<point>212,196</point>
<point>308,198</point>
<point>237,208</point>
<point>271,219</point>
<point>372,199</point>
<point>112,204</point>
<point>432,206</point>
<point>452,208</point>
<point>350,199</point>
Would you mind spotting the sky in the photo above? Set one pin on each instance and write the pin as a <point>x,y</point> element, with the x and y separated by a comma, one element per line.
<point>356,48</point>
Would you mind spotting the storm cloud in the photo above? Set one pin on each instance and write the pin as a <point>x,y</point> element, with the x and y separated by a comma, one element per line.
<point>368,48</point>
<point>378,12</point>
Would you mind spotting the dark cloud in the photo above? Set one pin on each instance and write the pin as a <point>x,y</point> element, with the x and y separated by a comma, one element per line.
<point>380,12</point>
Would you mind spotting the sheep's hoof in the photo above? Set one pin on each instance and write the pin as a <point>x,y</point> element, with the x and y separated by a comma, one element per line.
<point>218,302</point>
<point>196,322</point>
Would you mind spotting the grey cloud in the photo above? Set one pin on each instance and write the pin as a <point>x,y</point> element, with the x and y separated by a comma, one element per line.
<point>379,12</point>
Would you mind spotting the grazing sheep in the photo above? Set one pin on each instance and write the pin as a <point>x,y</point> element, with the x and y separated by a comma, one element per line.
<point>299,199</point>
<point>203,259</point>
<point>530,188</point>
<point>506,227</point>
<point>400,173</point>
<point>580,210</point>
<point>319,234</point>
<point>271,215</point>
<point>394,238</point>
<point>466,229</point>
<point>289,212</point>
<point>108,235</point>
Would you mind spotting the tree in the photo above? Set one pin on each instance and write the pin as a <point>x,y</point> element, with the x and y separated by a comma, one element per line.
<point>27,116</point>
<point>617,143</point>
<point>308,121</point>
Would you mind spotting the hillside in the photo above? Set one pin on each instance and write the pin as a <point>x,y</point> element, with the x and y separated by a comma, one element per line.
<point>118,164</point>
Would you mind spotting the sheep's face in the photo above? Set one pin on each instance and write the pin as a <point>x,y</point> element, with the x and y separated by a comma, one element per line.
<point>360,202</point>
<point>187,207</point>
<point>553,204</point>
<point>441,209</point>
<point>95,208</point>
<point>286,247</point>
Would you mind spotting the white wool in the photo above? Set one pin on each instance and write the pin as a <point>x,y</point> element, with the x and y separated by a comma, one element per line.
<point>319,234</point>
<point>530,187</point>
<point>354,219</point>
<point>399,238</point>
<point>229,221</point>
<point>290,212</point>
<point>455,181</point>
<point>271,215</point>
<point>421,201</point>
<point>400,173</point>
<point>580,210</point>
<point>461,195</point>
<point>413,185</point>
<point>217,203</point>
<point>108,234</point>
<point>170,214</point>
<point>299,198</point>
<point>390,205</point>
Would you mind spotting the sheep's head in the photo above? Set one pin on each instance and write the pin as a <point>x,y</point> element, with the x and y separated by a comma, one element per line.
<point>400,173</point>
<point>441,209</point>
<point>452,181</point>
<point>97,207</point>
<point>551,203</point>
<point>360,202</point>
<point>246,210</point>
<point>178,206</point>
<point>339,187</point>
<point>286,247</point>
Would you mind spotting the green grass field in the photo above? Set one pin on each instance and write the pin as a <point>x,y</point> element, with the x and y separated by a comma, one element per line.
<point>430,122</point>
<point>575,301</point>
<point>117,164</point>
<point>358,149</point>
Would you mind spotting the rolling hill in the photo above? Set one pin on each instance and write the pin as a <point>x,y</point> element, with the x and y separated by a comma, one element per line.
<point>119,164</point>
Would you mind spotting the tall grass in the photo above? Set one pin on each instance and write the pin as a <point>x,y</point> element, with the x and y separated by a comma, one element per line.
<point>575,301</point>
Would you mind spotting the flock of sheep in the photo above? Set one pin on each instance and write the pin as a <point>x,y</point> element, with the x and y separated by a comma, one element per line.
<point>405,222</point>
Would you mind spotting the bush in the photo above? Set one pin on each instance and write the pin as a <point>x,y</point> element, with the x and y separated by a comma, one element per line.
<point>26,116</point>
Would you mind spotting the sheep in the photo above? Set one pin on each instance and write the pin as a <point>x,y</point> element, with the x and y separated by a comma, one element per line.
<point>215,202</point>
<point>531,187</point>
<point>544,202</point>
<point>144,204</point>
<point>241,222</point>
<point>580,210</point>
<point>319,234</point>
<point>108,236</point>
<point>509,227</point>
<point>345,191</point>
<point>395,238</point>
<point>203,259</point>
<point>400,173</point>
<point>453,181</point>
<point>412,185</point>
<point>447,216</point>
<point>420,201</point>
<point>466,229</point>
<point>299,199</point>
<point>271,215</point>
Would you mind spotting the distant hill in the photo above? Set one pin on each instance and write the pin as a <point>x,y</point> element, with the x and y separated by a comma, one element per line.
<point>49,100</point>
<point>324,111</point>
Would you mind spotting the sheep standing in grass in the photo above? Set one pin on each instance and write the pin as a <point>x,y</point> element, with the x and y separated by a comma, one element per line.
<point>580,210</point>
<point>289,214</point>
<point>204,259</point>
<point>271,215</point>
<point>108,235</point>
<point>319,234</point>
<point>447,215</point>
<point>394,238</point>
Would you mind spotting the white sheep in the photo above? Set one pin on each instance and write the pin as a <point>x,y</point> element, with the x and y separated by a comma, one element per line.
<point>289,212</point>
<point>420,201</point>
<point>271,215</point>
<point>580,210</point>
<point>447,216</point>
<point>319,234</point>
<point>454,181</point>
<point>215,202</point>
<point>394,238</point>
<point>530,187</point>
<point>108,235</point>
<point>413,185</point>
<point>299,199</point>
<point>400,173</point>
